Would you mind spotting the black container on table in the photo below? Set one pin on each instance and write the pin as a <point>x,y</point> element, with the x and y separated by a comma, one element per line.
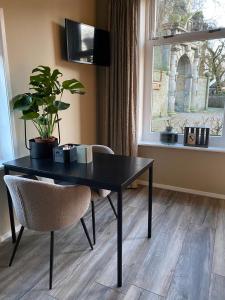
<point>63,155</point>
<point>42,150</point>
<point>168,136</point>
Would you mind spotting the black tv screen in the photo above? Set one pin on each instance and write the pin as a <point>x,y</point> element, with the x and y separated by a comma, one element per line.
<point>87,44</point>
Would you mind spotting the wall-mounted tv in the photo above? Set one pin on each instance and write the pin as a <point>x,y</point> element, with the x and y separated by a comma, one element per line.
<point>87,44</point>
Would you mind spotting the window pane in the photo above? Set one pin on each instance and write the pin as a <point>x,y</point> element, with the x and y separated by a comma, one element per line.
<point>180,16</point>
<point>189,86</point>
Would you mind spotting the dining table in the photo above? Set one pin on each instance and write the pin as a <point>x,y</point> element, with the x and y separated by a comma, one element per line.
<point>106,171</point>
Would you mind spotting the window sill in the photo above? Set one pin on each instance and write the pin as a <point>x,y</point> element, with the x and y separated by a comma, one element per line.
<point>181,147</point>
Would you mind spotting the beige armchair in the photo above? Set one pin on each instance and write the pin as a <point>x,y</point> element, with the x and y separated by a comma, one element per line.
<point>101,193</point>
<point>48,207</point>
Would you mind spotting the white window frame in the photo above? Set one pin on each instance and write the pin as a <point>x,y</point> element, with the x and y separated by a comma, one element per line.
<point>147,43</point>
<point>9,140</point>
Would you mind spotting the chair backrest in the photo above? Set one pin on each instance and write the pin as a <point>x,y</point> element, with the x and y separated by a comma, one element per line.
<point>106,150</point>
<point>47,207</point>
<point>102,149</point>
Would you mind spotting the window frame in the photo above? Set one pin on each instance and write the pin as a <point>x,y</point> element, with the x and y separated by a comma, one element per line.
<point>146,59</point>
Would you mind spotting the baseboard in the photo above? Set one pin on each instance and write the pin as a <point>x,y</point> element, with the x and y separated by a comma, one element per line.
<point>6,235</point>
<point>182,190</point>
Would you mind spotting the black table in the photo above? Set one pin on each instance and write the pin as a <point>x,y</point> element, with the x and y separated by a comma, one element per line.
<point>111,172</point>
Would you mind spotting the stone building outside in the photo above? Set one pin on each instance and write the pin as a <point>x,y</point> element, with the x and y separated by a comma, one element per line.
<point>180,90</point>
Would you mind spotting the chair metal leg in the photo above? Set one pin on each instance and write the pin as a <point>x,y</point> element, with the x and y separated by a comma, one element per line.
<point>16,245</point>
<point>86,232</point>
<point>93,221</point>
<point>51,259</point>
<point>113,207</point>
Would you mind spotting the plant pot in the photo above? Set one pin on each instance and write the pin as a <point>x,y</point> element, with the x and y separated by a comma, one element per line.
<point>168,136</point>
<point>42,149</point>
<point>40,140</point>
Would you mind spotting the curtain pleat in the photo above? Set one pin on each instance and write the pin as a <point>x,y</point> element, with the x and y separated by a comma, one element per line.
<point>117,104</point>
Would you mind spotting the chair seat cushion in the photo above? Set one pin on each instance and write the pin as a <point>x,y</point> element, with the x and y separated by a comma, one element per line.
<point>97,194</point>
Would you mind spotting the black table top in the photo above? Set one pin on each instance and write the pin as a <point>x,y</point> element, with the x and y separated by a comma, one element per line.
<point>112,172</point>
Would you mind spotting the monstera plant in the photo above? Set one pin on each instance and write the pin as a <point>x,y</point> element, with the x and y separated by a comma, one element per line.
<point>42,104</point>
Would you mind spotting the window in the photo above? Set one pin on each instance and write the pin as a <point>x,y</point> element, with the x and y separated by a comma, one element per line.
<point>185,68</point>
<point>6,143</point>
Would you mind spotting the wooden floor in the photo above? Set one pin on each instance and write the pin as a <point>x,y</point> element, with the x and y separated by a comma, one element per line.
<point>185,258</point>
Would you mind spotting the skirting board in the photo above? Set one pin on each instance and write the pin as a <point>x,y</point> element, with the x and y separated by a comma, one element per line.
<point>6,235</point>
<point>182,190</point>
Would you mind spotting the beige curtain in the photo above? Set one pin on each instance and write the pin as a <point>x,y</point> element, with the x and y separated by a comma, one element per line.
<point>117,85</point>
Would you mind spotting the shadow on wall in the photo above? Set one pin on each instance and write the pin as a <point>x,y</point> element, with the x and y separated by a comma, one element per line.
<point>87,75</point>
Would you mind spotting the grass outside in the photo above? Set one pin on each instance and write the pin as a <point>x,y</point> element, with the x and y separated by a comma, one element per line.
<point>212,118</point>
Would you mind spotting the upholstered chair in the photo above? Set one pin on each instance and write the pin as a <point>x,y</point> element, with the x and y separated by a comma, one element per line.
<point>46,207</point>
<point>96,194</point>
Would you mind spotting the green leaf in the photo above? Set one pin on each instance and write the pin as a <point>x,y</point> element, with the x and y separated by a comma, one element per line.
<point>55,74</point>
<point>42,120</point>
<point>37,78</point>
<point>61,105</point>
<point>22,102</point>
<point>48,100</point>
<point>74,86</point>
<point>51,109</point>
<point>39,101</point>
<point>42,69</point>
<point>30,116</point>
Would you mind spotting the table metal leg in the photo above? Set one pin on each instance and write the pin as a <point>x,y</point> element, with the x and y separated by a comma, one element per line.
<point>11,214</point>
<point>119,238</point>
<point>150,202</point>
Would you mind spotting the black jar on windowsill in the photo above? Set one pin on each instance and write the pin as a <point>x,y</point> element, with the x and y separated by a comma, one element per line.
<point>168,136</point>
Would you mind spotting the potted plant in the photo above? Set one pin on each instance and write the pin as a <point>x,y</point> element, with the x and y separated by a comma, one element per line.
<point>169,136</point>
<point>41,106</point>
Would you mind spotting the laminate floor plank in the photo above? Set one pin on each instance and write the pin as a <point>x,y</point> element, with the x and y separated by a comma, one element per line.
<point>136,293</point>
<point>184,259</point>
<point>217,288</point>
<point>37,295</point>
<point>219,248</point>
<point>156,271</point>
<point>192,275</point>
<point>204,211</point>
<point>101,292</point>
<point>150,263</point>
<point>193,271</point>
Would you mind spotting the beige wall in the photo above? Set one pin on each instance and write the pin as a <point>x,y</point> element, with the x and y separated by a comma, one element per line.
<point>33,33</point>
<point>199,170</point>
<point>101,13</point>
